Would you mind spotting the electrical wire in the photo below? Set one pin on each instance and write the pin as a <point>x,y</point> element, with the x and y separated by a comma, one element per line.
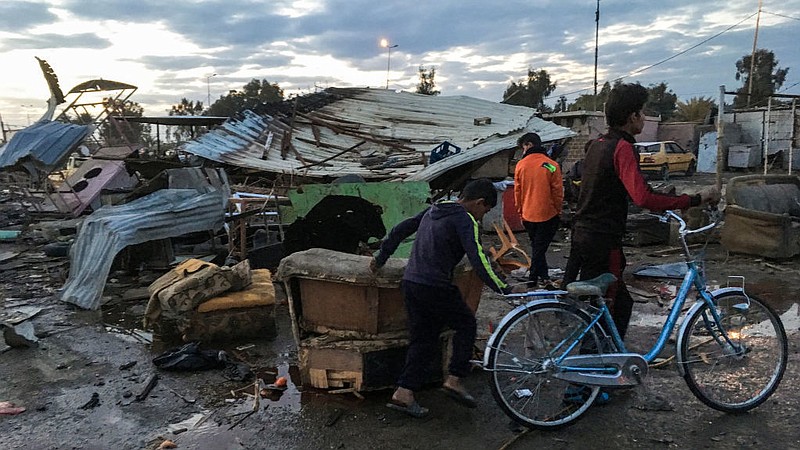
<point>780,15</point>
<point>636,72</point>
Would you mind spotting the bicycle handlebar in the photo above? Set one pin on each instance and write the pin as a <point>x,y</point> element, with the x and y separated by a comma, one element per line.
<point>669,214</point>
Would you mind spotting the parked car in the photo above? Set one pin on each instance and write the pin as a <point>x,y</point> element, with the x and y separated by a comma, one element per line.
<point>664,158</point>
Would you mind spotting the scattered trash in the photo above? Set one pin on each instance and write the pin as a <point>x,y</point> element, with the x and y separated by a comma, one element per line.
<point>334,417</point>
<point>151,383</point>
<point>7,255</point>
<point>20,336</point>
<point>22,313</point>
<point>93,402</point>
<point>9,234</point>
<point>168,444</point>
<point>671,270</point>
<point>10,409</point>
<point>191,358</point>
<point>237,371</point>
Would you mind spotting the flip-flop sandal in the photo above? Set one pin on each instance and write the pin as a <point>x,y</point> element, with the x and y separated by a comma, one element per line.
<point>461,398</point>
<point>414,409</point>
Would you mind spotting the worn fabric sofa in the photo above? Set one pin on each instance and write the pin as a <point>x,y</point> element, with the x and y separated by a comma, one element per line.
<point>762,216</point>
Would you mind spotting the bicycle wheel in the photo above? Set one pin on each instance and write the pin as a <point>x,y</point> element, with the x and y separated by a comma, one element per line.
<point>522,364</point>
<point>742,374</point>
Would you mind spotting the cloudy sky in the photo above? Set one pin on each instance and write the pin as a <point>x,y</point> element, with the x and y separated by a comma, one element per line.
<point>170,49</point>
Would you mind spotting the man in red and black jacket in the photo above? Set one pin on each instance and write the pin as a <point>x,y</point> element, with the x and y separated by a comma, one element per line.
<point>610,176</point>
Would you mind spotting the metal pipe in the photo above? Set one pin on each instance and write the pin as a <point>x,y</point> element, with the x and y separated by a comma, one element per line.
<point>720,132</point>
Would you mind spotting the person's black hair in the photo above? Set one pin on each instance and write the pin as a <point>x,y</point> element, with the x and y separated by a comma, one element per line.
<point>533,138</point>
<point>624,100</point>
<point>480,188</point>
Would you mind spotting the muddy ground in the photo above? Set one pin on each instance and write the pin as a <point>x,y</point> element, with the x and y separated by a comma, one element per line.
<point>81,353</point>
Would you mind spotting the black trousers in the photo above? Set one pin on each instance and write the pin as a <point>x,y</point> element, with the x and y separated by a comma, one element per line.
<point>430,309</point>
<point>541,234</point>
<point>593,255</point>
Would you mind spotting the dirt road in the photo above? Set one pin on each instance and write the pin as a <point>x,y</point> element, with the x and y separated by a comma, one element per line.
<point>83,353</point>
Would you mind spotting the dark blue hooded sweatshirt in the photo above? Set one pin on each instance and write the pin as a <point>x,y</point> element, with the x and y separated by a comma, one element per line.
<point>445,232</point>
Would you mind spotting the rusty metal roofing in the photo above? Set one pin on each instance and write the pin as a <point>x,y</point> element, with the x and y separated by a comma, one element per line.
<point>42,146</point>
<point>195,201</point>
<point>378,134</point>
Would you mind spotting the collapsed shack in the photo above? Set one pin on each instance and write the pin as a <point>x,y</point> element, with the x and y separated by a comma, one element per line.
<point>376,134</point>
<point>191,200</point>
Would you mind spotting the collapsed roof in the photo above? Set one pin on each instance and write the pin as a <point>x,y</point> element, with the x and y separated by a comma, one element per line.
<point>378,134</point>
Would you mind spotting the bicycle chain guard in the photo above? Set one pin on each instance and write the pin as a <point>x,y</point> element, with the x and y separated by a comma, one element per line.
<point>631,368</point>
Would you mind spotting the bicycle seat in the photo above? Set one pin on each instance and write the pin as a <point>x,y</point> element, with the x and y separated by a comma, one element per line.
<point>596,286</point>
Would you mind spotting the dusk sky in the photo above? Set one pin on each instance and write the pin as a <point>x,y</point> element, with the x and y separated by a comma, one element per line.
<point>168,49</point>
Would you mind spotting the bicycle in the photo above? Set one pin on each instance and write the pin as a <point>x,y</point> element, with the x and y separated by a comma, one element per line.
<point>549,358</point>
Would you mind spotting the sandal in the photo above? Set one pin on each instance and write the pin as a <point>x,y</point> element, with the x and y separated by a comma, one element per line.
<point>413,409</point>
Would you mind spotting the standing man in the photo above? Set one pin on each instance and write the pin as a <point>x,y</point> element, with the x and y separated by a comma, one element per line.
<point>611,175</point>
<point>539,195</point>
<point>445,232</point>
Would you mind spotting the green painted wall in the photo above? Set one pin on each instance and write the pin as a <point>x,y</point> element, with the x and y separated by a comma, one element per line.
<point>399,201</point>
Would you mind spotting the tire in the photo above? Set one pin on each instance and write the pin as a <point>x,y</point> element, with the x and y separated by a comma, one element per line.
<point>663,173</point>
<point>522,368</point>
<point>724,377</point>
<point>692,168</point>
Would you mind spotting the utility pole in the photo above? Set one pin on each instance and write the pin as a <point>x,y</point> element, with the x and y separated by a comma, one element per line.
<point>385,43</point>
<point>596,44</point>
<point>3,129</point>
<point>753,55</point>
<point>208,89</point>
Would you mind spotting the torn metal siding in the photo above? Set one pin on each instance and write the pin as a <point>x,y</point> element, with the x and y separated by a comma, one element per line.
<point>42,146</point>
<point>375,133</point>
<point>548,131</point>
<point>194,202</point>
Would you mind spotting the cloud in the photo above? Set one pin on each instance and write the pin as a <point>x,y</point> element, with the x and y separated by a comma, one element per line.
<point>56,41</point>
<point>477,48</point>
<point>17,16</point>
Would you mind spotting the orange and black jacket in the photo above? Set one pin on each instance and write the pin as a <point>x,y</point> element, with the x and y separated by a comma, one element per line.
<point>538,188</point>
<point>445,232</point>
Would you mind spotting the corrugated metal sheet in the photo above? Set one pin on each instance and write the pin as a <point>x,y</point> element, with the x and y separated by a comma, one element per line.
<point>194,202</point>
<point>376,133</point>
<point>43,145</point>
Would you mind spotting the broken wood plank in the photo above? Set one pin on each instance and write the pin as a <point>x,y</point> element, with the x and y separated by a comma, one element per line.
<point>151,383</point>
<point>334,156</point>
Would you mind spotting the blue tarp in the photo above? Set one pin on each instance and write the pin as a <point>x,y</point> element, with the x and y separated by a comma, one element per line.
<point>43,145</point>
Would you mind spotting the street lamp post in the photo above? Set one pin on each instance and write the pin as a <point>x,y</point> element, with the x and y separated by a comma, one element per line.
<point>389,47</point>
<point>208,88</point>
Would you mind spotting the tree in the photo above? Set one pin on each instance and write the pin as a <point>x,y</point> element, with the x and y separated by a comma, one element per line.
<point>185,108</point>
<point>660,101</point>
<point>697,109</point>
<point>530,92</point>
<point>252,95</point>
<point>767,78</point>
<point>587,102</point>
<point>119,132</point>
<point>427,84</point>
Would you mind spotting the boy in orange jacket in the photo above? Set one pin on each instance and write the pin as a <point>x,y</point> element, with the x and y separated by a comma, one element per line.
<point>539,194</point>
